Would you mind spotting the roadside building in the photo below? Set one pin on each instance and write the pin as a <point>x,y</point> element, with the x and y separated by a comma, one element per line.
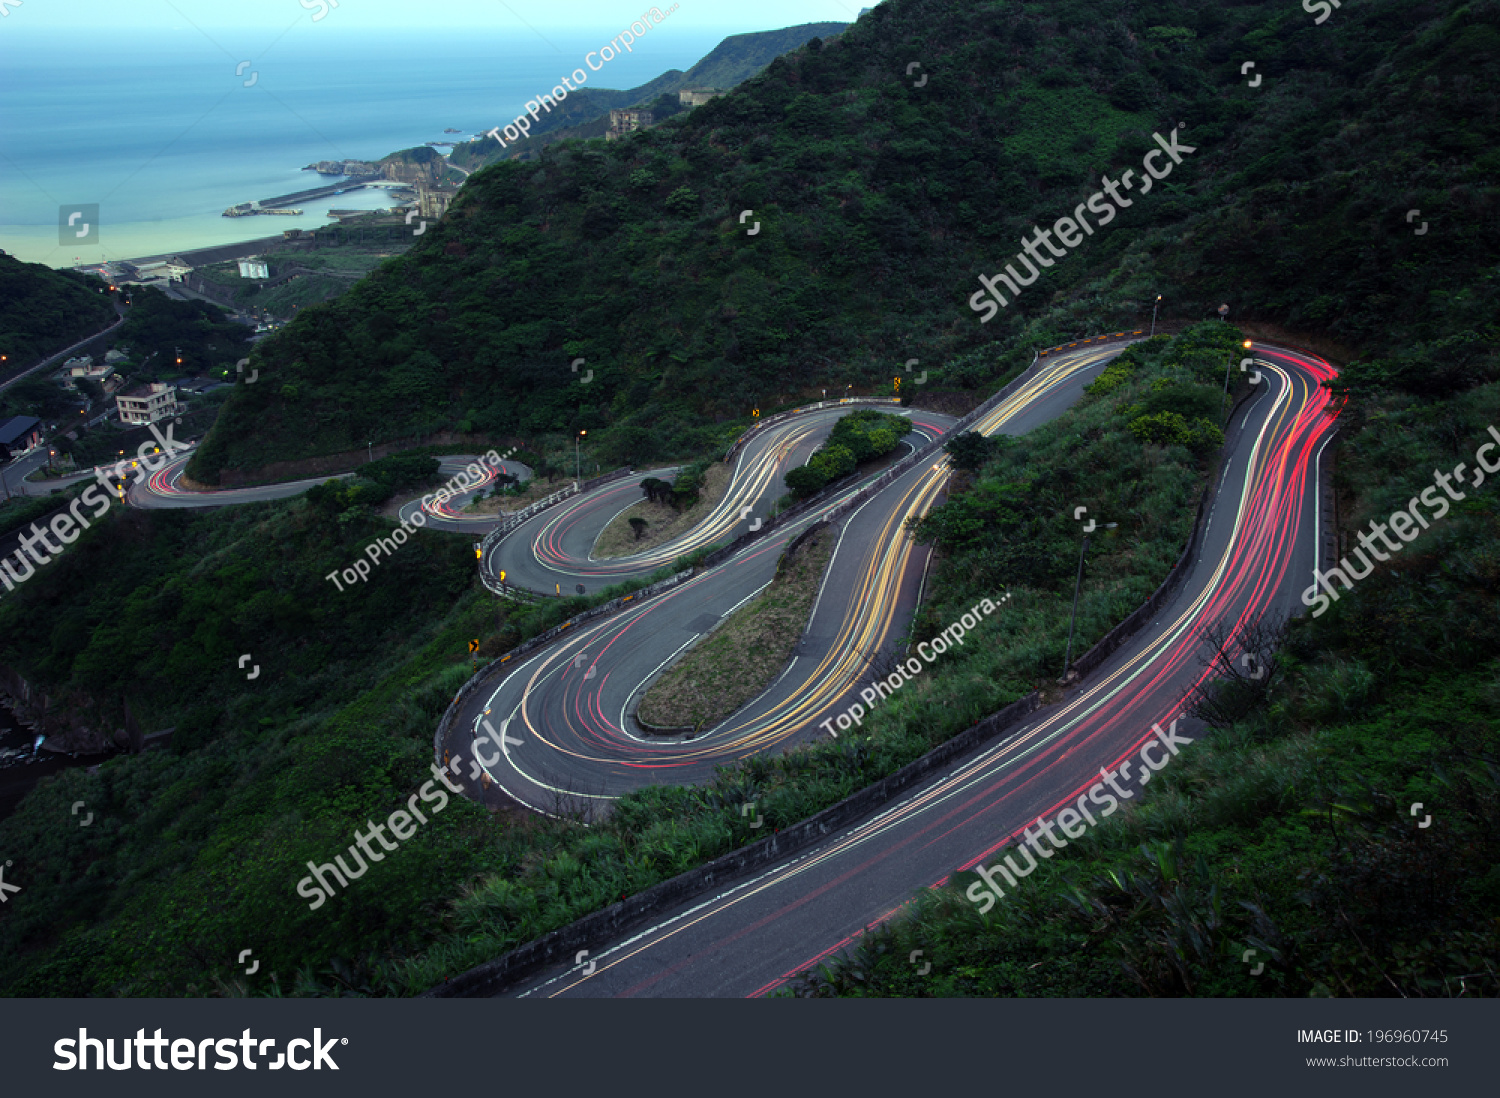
<point>147,403</point>
<point>18,434</point>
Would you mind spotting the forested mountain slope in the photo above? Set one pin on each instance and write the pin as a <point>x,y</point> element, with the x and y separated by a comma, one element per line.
<point>880,202</point>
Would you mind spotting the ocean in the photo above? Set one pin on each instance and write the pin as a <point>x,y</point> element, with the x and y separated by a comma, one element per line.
<point>161,132</point>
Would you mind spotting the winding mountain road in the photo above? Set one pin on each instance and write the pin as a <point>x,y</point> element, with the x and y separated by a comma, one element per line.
<point>563,718</point>
<point>569,731</point>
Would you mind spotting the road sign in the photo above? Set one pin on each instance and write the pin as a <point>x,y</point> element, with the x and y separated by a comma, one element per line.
<point>474,646</point>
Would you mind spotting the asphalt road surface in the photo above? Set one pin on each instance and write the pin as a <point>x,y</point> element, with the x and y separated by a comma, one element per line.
<point>565,714</point>
<point>567,728</point>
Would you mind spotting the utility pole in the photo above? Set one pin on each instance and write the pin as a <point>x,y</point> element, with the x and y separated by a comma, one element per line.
<point>1248,344</point>
<point>1078,587</point>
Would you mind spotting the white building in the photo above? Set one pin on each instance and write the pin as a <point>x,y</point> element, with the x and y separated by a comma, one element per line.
<point>147,403</point>
<point>254,268</point>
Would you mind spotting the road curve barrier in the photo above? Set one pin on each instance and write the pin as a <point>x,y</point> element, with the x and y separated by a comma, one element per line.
<point>781,417</point>
<point>1092,339</point>
<point>517,518</point>
<point>514,657</point>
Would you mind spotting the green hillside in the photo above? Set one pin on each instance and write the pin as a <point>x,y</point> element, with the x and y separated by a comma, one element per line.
<point>880,205</point>
<point>882,202</point>
<point>43,311</point>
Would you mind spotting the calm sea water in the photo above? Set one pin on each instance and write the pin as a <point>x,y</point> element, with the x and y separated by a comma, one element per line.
<point>162,134</point>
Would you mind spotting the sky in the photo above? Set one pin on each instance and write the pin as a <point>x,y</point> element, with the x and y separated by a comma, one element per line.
<point>86,16</point>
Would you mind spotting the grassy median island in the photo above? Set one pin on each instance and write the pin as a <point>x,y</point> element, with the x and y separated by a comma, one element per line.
<point>664,521</point>
<point>746,653</point>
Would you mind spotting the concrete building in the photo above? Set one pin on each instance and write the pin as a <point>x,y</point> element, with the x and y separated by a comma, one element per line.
<point>173,269</point>
<point>147,403</point>
<point>626,121</point>
<point>433,202</point>
<point>85,367</point>
<point>254,268</point>
<point>696,97</point>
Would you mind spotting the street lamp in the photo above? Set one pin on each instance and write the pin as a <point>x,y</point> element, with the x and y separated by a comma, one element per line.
<point>1077,587</point>
<point>1153,314</point>
<point>370,450</point>
<point>578,454</point>
<point>1247,345</point>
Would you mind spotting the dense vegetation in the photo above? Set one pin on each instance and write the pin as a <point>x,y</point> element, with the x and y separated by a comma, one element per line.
<point>264,776</point>
<point>159,331</point>
<point>43,311</point>
<point>856,438</point>
<point>1289,829</point>
<point>200,846</point>
<point>879,204</point>
<point>885,200</point>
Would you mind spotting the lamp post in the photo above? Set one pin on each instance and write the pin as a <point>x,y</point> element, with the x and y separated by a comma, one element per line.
<point>1153,314</point>
<point>1077,587</point>
<point>578,454</point>
<point>1248,344</point>
<point>370,450</point>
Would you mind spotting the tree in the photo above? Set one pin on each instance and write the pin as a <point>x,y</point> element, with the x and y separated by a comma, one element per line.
<point>638,524</point>
<point>683,202</point>
<point>969,451</point>
<point>655,490</point>
<point>804,480</point>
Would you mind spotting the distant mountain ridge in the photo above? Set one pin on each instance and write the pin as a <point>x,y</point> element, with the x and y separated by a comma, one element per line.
<point>585,113</point>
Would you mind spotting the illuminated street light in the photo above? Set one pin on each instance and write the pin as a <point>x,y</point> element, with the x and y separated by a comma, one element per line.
<point>1247,345</point>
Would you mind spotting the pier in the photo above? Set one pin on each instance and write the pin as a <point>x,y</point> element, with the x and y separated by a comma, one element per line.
<point>276,205</point>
